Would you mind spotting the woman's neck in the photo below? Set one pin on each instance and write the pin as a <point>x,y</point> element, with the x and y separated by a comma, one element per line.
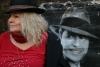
<point>18,37</point>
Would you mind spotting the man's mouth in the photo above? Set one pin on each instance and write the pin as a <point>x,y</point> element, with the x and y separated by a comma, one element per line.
<point>76,50</point>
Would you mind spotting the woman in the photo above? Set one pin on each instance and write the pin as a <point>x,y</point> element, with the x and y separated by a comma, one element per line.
<point>27,43</point>
<point>75,34</point>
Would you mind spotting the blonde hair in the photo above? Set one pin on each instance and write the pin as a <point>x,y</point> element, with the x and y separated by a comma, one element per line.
<point>33,25</point>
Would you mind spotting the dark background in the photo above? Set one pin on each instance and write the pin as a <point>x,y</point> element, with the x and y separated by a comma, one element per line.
<point>53,16</point>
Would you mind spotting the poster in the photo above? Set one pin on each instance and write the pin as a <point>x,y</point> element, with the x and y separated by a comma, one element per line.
<point>54,13</point>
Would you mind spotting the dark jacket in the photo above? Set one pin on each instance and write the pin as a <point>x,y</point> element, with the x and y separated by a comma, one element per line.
<point>54,56</point>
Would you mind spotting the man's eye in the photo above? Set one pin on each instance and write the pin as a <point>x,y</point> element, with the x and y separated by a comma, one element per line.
<point>69,36</point>
<point>83,37</point>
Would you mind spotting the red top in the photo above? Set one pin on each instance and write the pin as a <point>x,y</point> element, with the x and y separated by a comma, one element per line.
<point>32,57</point>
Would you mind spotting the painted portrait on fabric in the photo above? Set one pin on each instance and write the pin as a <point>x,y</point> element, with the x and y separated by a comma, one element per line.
<point>75,34</point>
<point>83,30</point>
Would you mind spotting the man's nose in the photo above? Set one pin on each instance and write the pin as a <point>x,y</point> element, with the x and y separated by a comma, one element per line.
<point>77,42</point>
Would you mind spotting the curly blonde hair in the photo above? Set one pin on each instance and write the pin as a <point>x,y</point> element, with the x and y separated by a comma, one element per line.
<point>33,25</point>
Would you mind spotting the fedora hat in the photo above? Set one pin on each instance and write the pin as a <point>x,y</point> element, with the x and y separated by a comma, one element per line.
<point>24,5</point>
<point>75,20</point>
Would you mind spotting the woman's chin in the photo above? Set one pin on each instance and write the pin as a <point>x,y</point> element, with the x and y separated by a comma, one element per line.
<point>13,31</point>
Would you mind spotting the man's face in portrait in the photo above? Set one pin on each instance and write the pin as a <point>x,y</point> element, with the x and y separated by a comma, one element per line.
<point>74,46</point>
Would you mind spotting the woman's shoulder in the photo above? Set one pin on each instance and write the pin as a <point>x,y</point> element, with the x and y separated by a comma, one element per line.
<point>45,34</point>
<point>4,35</point>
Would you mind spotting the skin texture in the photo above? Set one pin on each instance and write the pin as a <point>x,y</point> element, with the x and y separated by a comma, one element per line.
<point>14,23</point>
<point>74,47</point>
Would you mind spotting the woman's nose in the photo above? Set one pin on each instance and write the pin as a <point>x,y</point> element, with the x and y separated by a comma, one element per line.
<point>10,20</point>
<point>77,42</point>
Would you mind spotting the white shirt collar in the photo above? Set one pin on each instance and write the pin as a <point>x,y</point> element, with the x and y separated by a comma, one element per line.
<point>74,65</point>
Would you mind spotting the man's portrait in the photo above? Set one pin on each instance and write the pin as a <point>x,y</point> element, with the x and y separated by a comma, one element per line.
<point>74,32</point>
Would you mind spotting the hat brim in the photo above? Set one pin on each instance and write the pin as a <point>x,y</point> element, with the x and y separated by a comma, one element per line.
<point>55,28</point>
<point>37,10</point>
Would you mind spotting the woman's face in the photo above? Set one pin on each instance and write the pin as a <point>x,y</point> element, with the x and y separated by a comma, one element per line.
<point>74,47</point>
<point>14,22</point>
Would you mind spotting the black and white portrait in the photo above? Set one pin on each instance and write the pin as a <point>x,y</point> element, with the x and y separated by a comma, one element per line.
<point>75,34</point>
<point>78,29</point>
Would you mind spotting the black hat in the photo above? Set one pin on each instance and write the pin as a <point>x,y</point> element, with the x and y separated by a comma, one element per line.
<point>24,5</point>
<point>76,21</point>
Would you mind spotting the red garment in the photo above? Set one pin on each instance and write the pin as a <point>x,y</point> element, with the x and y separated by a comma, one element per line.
<point>18,38</point>
<point>31,57</point>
